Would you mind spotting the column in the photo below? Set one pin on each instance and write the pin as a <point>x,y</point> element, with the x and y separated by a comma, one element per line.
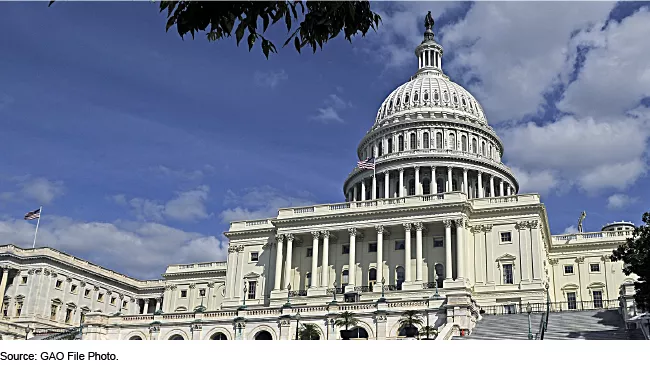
<point>363,190</point>
<point>314,260</point>
<point>501,188</point>
<point>434,181</point>
<point>352,264</point>
<point>3,284</point>
<point>349,195</point>
<point>407,252</point>
<point>159,304</point>
<point>524,258</point>
<point>536,251</point>
<point>386,184</point>
<point>418,187</point>
<point>146,306</point>
<point>509,190</point>
<point>380,252</point>
<point>490,239</point>
<point>480,185</point>
<point>278,262</point>
<point>492,186</point>
<point>465,186</point>
<point>449,184</point>
<point>287,272</point>
<point>354,193</point>
<point>325,281</point>
<point>418,251</point>
<point>448,262</point>
<point>460,248</point>
<point>374,187</point>
<point>400,191</point>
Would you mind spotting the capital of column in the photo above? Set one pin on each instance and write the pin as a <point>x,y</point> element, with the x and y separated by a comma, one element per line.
<point>465,169</point>
<point>315,235</point>
<point>479,174</point>
<point>289,237</point>
<point>447,222</point>
<point>459,222</point>
<point>352,231</point>
<point>417,168</point>
<point>326,234</point>
<point>380,229</point>
<point>418,226</point>
<point>279,238</point>
<point>146,300</point>
<point>449,168</point>
<point>407,226</point>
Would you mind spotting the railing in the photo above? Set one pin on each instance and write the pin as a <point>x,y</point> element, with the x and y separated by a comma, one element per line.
<point>298,293</point>
<point>331,291</point>
<point>68,334</point>
<point>392,287</point>
<point>44,331</point>
<point>432,285</point>
<point>363,289</point>
<point>518,308</point>
<point>592,235</point>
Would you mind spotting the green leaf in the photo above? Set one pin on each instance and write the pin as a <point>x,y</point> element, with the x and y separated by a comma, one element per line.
<point>251,41</point>
<point>239,33</point>
<point>297,44</point>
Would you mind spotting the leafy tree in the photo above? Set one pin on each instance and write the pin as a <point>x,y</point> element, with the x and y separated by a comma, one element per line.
<point>635,253</point>
<point>309,331</point>
<point>410,318</point>
<point>346,319</point>
<point>427,331</point>
<point>321,20</point>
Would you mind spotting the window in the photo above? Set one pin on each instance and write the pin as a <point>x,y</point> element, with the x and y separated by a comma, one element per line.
<point>507,274</point>
<point>399,245</point>
<point>406,98</point>
<point>372,247</point>
<point>400,143</point>
<point>380,148</point>
<point>426,187</point>
<point>438,242</point>
<point>390,145</point>
<point>598,298</point>
<point>183,293</point>
<point>58,284</point>
<point>82,317</point>
<point>100,297</point>
<point>425,140</point>
<point>252,289</point>
<point>345,249</point>
<point>68,315</point>
<point>483,148</point>
<point>506,237</point>
<point>87,293</point>
<point>415,96</point>
<point>452,141</point>
<point>440,186</point>
<point>53,310</point>
<point>594,267</point>
<point>411,186</point>
<point>345,278</point>
<point>308,279</point>
<point>23,280</point>
<point>113,301</point>
<point>474,145</point>
<point>413,141</point>
<point>439,140</point>
<point>201,292</point>
<point>463,142</point>
<point>509,309</point>
<point>372,275</point>
<point>73,289</point>
<point>124,304</point>
<point>568,269</point>
<point>5,309</point>
<point>310,252</point>
<point>399,275</point>
<point>571,300</point>
<point>19,308</point>
<point>255,256</point>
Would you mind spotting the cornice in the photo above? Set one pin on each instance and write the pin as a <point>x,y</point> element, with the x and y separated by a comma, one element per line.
<point>250,232</point>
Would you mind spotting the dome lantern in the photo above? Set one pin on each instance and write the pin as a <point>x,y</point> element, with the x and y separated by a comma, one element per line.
<point>429,53</point>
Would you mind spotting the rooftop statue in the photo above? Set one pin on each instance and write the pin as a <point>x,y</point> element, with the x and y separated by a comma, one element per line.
<point>428,21</point>
<point>582,217</point>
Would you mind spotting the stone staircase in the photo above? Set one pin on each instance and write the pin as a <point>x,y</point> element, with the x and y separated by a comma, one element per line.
<point>567,325</point>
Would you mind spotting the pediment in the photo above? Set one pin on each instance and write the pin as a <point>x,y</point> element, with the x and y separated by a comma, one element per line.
<point>20,297</point>
<point>71,305</point>
<point>57,301</point>
<point>596,285</point>
<point>506,257</point>
<point>251,275</point>
<point>570,287</point>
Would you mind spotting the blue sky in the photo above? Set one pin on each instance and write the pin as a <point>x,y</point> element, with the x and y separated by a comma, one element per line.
<point>141,146</point>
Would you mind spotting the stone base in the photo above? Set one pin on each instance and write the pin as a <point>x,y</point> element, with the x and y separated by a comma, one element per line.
<point>315,292</point>
<point>413,285</point>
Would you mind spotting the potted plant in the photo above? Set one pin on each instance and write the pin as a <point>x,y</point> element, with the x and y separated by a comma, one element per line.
<point>346,319</point>
<point>428,331</point>
<point>409,323</point>
<point>309,331</point>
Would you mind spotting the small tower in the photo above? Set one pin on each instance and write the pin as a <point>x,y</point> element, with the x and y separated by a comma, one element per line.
<point>429,52</point>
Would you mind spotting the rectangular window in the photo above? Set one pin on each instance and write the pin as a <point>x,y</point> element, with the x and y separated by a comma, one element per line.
<point>113,301</point>
<point>100,297</point>
<point>594,267</point>
<point>68,315</point>
<point>310,252</point>
<point>23,280</point>
<point>598,298</point>
<point>19,308</point>
<point>87,293</point>
<point>53,312</point>
<point>507,274</point>
<point>201,292</point>
<point>571,300</point>
<point>345,249</point>
<point>255,256</point>
<point>399,245</point>
<point>73,289</point>
<point>372,247</point>
<point>438,242</point>
<point>568,269</point>
<point>5,309</point>
<point>58,284</point>
<point>183,293</point>
<point>252,289</point>
<point>124,304</point>
<point>506,237</point>
<point>509,309</point>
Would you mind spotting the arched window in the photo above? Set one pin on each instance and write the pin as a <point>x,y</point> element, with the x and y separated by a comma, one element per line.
<point>445,96</point>
<point>137,338</point>
<point>219,336</point>
<point>414,141</point>
<point>412,187</point>
<point>380,148</point>
<point>397,103</point>
<point>454,185</point>
<point>425,140</point>
<point>400,143</point>
<point>490,151</point>
<point>426,188</point>
<point>426,95</point>
<point>177,337</point>
<point>372,275</point>
<point>463,140</point>
<point>390,145</point>
<point>263,335</point>
<point>440,274</point>
<point>452,141</point>
<point>399,277</point>
<point>441,186</point>
<point>358,332</point>
<point>390,105</point>
<point>455,99</point>
<point>415,96</point>
<point>474,145</point>
<point>483,148</point>
<point>439,140</point>
<point>435,95</point>
<point>406,98</point>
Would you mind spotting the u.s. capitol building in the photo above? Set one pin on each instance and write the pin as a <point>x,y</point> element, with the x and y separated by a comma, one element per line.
<point>438,227</point>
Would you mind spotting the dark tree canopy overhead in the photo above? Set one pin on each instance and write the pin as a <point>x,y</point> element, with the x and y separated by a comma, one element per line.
<point>635,254</point>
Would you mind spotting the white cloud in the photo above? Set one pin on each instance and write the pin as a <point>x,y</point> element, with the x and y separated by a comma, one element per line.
<point>270,79</point>
<point>330,111</point>
<point>517,50</point>
<point>256,203</point>
<point>536,181</point>
<point>37,189</point>
<point>618,201</point>
<point>182,174</point>
<point>142,250</point>
<point>570,230</point>
<point>186,206</point>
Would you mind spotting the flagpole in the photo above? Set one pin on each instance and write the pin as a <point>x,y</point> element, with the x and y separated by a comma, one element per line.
<point>40,212</point>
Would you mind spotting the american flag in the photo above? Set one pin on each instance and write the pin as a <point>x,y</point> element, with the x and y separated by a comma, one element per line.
<point>368,164</point>
<point>33,215</point>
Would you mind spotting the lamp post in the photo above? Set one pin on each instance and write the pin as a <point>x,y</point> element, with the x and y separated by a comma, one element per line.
<point>435,285</point>
<point>288,303</point>
<point>244,297</point>
<point>382,299</point>
<point>297,325</point>
<point>334,291</point>
<point>529,310</point>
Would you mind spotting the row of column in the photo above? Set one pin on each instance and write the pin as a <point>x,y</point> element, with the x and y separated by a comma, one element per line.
<point>324,281</point>
<point>503,188</point>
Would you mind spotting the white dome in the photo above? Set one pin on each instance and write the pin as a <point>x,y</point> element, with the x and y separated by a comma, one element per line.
<point>430,91</point>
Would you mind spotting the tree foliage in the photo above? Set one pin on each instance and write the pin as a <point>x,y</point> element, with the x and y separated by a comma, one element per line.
<point>410,318</point>
<point>346,319</point>
<point>309,331</point>
<point>635,254</point>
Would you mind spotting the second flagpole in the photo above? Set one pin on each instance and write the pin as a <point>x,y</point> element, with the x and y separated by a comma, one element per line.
<point>40,212</point>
